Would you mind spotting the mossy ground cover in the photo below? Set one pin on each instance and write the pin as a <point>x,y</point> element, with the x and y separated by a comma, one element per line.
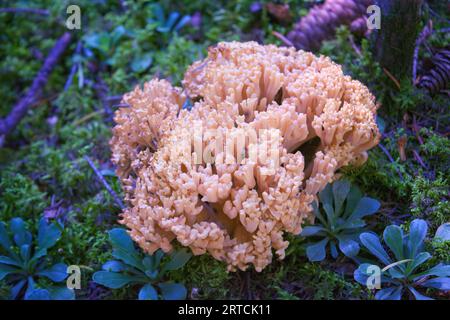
<point>43,167</point>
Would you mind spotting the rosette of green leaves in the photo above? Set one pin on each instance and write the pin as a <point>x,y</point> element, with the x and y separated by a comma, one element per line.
<point>339,221</point>
<point>134,268</point>
<point>403,269</point>
<point>24,261</point>
<point>172,23</point>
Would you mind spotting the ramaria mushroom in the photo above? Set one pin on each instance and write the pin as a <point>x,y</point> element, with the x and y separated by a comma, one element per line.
<point>226,201</point>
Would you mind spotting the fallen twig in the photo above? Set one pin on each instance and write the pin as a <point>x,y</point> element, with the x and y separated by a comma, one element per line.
<point>41,12</point>
<point>394,79</point>
<point>354,46</point>
<point>104,182</point>
<point>416,130</point>
<point>426,32</point>
<point>386,152</point>
<point>74,68</point>
<point>101,90</point>
<point>285,40</point>
<point>419,159</point>
<point>87,117</point>
<point>114,98</point>
<point>20,109</point>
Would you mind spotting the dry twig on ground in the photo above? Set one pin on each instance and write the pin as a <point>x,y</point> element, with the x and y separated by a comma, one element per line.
<point>20,109</point>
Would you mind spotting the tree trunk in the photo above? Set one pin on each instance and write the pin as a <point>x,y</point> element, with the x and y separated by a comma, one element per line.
<point>393,45</point>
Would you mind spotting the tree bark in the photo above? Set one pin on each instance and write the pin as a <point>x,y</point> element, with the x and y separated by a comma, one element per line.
<point>393,45</point>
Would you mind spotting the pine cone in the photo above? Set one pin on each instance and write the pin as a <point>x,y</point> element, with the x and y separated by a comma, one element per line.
<point>437,77</point>
<point>322,21</point>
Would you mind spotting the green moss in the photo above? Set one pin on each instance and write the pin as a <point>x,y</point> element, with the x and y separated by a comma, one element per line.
<point>205,278</point>
<point>429,200</point>
<point>173,62</point>
<point>20,196</point>
<point>320,284</point>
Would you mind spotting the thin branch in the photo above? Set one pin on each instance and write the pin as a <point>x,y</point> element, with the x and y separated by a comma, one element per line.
<point>419,159</point>
<point>394,79</point>
<point>354,46</point>
<point>101,90</point>
<point>20,109</point>
<point>386,152</point>
<point>74,68</point>
<point>285,40</point>
<point>41,12</point>
<point>104,182</point>
<point>426,32</point>
<point>114,98</point>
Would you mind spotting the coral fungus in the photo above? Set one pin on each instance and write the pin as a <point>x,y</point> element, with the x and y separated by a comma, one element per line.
<point>268,130</point>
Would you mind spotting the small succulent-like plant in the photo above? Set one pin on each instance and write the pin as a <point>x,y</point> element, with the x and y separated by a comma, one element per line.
<point>401,271</point>
<point>174,21</point>
<point>133,267</point>
<point>24,261</point>
<point>339,217</point>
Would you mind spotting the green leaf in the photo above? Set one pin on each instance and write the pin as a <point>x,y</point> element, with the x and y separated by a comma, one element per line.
<point>117,34</point>
<point>141,63</point>
<point>316,252</point>
<point>381,124</point>
<point>148,292</point>
<point>37,294</point>
<point>25,251</point>
<point>330,214</point>
<point>121,239</point>
<point>57,272</point>
<point>442,283</point>
<point>173,291</point>
<point>417,261</point>
<point>417,233</point>
<point>393,237</point>
<point>157,256</point>
<point>5,242</point>
<point>311,231</point>
<point>443,232</point>
<point>372,243</point>
<point>361,274</point>
<point>326,195</point>
<point>349,247</point>
<point>177,260</point>
<point>62,293</point>
<point>341,189</point>
<point>10,261</point>
<point>21,235</point>
<point>353,224</point>
<point>440,270</point>
<point>48,234</point>
<point>318,215</point>
<point>158,12</point>
<point>99,41</point>
<point>114,266</point>
<point>17,288</point>
<point>123,248</point>
<point>129,258</point>
<point>6,270</point>
<point>365,207</point>
<point>394,293</point>
<point>114,280</point>
<point>183,21</point>
<point>353,198</point>
<point>417,295</point>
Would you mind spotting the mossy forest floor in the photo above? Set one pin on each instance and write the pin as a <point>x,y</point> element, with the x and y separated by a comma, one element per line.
<point>43,166</point>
